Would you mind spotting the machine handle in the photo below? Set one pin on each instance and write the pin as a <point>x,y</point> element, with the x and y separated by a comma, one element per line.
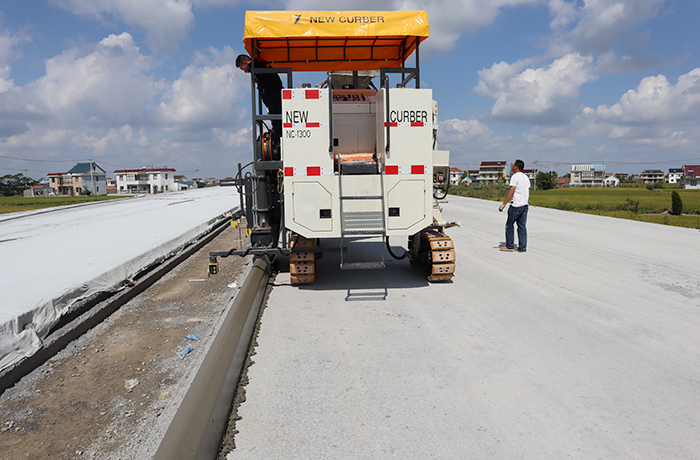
<point>385,83</point>
<point>330,114</point>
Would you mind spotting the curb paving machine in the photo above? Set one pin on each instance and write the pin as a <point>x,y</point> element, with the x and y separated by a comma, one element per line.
<point>353,161</point>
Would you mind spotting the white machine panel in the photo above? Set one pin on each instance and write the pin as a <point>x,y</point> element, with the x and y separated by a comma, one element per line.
<point>409,161</point>
<point>309,183</point>
<point>311,206</point>
<point>305,127</point>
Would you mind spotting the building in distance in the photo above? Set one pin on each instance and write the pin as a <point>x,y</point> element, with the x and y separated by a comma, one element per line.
<point>652,176</point>
<point>674,176</point>
<point>587,175</point>
<point>491,172</point>
<point>146,180</point>
<point>691,173</point>
<point>82,179</point>
<point>456,176</point>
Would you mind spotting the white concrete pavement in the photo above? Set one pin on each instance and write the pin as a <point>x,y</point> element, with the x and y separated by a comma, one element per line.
<point>587,346</point>
<point>52,257</point>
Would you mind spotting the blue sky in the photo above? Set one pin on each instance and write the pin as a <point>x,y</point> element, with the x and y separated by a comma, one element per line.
<point>153,82</point>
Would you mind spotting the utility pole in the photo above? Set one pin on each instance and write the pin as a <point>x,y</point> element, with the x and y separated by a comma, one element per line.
<point>92,177</point>
<point>534,163</point>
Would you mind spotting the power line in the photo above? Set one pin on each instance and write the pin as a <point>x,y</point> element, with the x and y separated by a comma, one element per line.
<point>24,170</point>
<point>84,160</point>
<point>42,161</point>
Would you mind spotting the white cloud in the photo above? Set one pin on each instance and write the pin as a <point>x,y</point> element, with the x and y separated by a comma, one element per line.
<point>166,22</point>
<point>112,87</point>
<point>38,138</point>
<point>239,139</point>
<point>657,101</point>
<point>114,138</point>
<point>602,25</point>
<point>8,42</point>
<point>206,95</point>
<point>471,140</point>
<point>109,86</point>
<point>657,116</point>
<point>546,95</point>
<point>563,13</point>
<point>101,102</point>
<point>456,131</point>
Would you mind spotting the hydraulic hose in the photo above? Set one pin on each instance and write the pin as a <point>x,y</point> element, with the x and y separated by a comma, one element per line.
<point>388,247</point>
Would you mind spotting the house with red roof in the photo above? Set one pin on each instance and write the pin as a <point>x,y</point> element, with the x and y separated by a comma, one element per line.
<point>456,176</point>
<point>691,176</point>
<point>490,172</point>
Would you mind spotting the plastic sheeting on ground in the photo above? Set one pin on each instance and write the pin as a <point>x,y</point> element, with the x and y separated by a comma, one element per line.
<point>53,258</point>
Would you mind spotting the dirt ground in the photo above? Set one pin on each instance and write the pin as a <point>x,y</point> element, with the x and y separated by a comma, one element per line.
<point>111,393</point>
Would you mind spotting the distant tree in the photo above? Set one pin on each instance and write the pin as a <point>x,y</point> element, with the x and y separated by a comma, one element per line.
<point>15,184</point>
<point>676,204</point>
<point>546,180</point>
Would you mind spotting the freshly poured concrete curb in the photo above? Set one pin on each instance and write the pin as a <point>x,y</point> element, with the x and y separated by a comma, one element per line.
<point>199,423</point>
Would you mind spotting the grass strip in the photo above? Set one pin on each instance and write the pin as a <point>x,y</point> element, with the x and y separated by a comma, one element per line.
<point>634,203</point>
<point>19,203</point>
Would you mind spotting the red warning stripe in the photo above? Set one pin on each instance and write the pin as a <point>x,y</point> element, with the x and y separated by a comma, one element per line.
<point>290,171</point>
<point>302,94</point>
<point>391,170</point>
<point>303,125</point>
<point>406,124</point>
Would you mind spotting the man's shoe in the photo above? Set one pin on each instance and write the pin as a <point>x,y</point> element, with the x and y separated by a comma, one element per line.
<point>520,250</point>
<point>505,249</point>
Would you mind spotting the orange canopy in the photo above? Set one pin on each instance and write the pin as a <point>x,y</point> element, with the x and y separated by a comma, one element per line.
<point>334,40</point>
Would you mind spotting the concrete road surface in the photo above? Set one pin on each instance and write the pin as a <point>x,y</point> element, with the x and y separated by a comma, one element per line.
<point>585,347</point>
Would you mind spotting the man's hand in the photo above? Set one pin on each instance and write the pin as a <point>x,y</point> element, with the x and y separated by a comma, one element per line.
<point>502,207</point>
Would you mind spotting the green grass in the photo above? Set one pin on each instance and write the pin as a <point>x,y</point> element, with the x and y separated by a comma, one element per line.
<point>615,199</point>
<point>686,220</point>
<point>19,203</point>
<point>636,203</point>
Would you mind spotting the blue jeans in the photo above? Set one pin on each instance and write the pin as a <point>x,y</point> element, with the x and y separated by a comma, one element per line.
<point>518,215</point>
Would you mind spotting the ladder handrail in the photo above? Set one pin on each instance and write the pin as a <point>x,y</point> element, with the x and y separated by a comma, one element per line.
<point>340,198</point>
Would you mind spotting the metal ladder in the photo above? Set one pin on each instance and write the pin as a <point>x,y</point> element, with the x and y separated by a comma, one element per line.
<point>367,223</point>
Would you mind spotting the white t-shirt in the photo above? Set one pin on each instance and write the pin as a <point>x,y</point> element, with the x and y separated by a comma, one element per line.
<point>522,189</point>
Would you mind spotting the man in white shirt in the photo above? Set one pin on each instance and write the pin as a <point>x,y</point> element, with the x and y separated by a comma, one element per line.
<point>519,193</point>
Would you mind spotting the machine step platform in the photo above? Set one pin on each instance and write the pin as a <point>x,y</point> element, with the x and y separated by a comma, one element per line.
<point>361,197</point>
<point>366,232</point>
<point>362,265</point>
